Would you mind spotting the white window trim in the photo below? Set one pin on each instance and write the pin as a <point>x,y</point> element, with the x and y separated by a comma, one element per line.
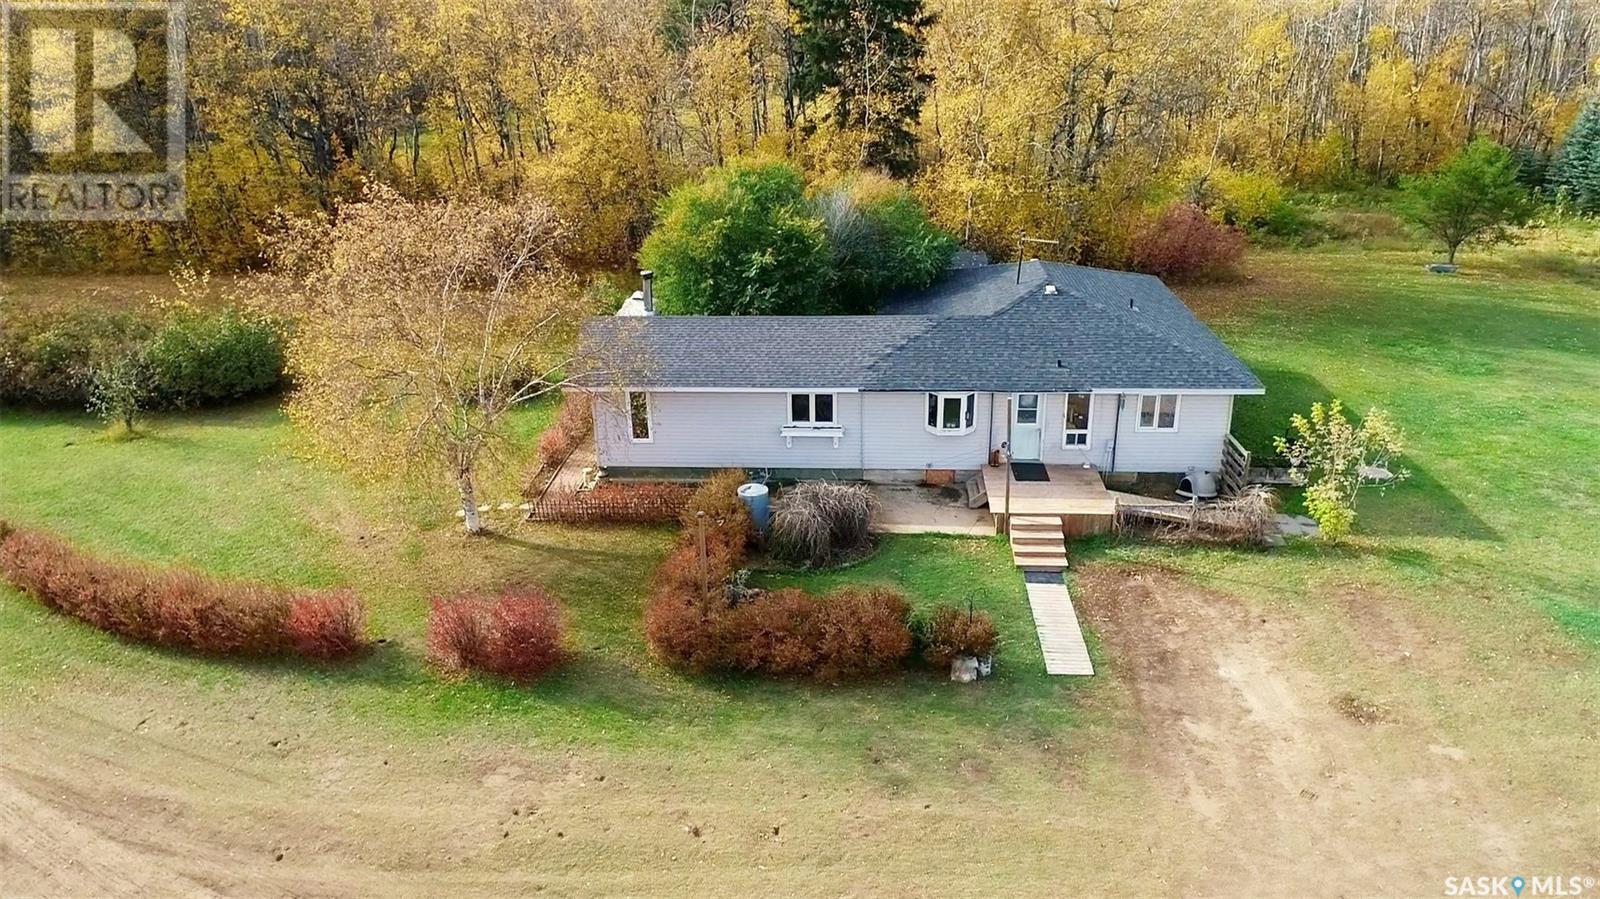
<point>966,406</point>
<point>1088,433</point>
<point>788,409</point>
<point>1155,420</point>
<point>649,416</point>
<point>1038,410</point>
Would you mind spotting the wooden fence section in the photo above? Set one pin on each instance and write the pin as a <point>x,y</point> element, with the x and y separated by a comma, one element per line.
<point>630,504</point>
<point>1235,474</point>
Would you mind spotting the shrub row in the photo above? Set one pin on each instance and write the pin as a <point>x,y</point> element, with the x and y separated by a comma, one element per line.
<point>181,608</point>
<point>187,358</point>
<point>518,636</point>
<point>849,634</point>
<point>572,424</point>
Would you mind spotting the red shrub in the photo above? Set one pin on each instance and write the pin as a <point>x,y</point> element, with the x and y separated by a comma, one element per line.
<point>861,631</point>
<point>681,571</point>
<point>170,608</point>
<point>527,636</point>
<point>683,629</point>
<point>519,636</point>
<point>774,634</point>
<point>953,632</point>
<point>458,634</point>
<point>1185,243</point>
<point>327,625</point>
<point>725,513</point>
<point>571,425</point>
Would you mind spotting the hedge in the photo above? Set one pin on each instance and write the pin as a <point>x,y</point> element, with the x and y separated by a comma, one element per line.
<point>180,608</point>
<point>191,358</point>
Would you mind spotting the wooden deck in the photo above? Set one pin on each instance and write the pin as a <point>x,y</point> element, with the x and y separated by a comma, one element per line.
<point>1040,515</point>
<point>1071,490</point>
<point>1060,637</point>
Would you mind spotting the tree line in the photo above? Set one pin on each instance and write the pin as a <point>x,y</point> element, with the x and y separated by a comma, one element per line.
<point>1057,118</point>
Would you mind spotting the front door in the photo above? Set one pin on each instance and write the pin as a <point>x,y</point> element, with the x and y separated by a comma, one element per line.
<point>1026,434</point>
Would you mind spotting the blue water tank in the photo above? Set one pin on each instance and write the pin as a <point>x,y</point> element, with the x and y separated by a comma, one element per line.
<point>759,501</point>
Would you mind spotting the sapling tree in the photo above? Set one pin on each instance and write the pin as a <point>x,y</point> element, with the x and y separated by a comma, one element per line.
<point>419,326</point>
<point>1333,459</point>
<point>119,391</point>
<point>1472,196</point>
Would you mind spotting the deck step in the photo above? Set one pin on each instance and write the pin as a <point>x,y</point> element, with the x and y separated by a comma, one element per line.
<point>1023,538</point>
<point>977,493</point>
<point>1030,557</point>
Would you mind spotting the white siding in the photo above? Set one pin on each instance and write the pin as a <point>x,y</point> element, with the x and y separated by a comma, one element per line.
<point>1203,422</point>
<point>714,430</point>
<point>897,435</point>
<point>887,432</point>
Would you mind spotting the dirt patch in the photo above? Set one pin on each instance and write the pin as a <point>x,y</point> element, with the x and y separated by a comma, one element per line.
<point>1278,779</point>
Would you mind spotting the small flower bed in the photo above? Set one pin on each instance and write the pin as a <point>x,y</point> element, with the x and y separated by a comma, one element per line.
<point>695,621</point>
<point>181,608</point>
<point>611,503</point>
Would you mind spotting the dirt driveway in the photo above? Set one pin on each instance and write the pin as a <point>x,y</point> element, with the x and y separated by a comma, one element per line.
<point>1280,781</point>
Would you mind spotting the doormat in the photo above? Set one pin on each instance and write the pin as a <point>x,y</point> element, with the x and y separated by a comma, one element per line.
<point>1029,471</point>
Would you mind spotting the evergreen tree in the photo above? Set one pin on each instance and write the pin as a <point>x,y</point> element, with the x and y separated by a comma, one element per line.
<point>868,54</point>
<point>1576,171</point>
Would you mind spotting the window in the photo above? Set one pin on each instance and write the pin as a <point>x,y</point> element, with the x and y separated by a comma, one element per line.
<point>951,413</point>
<point>1158,412</point>
<point>1076,420</point>
<point>1027,408</point>
<point>639,416</point>
<point>811,410</point>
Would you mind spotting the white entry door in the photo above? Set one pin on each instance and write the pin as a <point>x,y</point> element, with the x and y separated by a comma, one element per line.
<point>1027,435</point>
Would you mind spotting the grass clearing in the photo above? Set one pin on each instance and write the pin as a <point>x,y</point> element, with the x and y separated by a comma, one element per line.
<point>1464,609</point>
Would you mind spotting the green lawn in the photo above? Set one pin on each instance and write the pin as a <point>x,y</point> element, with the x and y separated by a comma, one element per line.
<point>1486,552</point>
<point>224,491</point>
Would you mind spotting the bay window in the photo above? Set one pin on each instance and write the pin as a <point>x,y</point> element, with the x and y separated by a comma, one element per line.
<point>951,413</point>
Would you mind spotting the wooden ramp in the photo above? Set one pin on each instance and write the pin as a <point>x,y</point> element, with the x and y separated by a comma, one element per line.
<point>1057,622</point>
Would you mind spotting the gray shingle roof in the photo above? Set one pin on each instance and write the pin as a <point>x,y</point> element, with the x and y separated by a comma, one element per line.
<point>978,329</point>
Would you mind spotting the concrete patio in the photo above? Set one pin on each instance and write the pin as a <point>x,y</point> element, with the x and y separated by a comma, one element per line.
<point>913,509</point>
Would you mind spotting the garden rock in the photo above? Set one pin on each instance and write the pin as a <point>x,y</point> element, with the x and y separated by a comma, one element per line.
<point>964,670</point>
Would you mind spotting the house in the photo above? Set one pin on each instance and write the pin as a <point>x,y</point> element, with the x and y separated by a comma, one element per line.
<point>1059,364</point>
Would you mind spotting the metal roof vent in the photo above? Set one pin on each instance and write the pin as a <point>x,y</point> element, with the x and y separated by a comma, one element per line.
<point>1050,290</point>
<point>1131,306</point>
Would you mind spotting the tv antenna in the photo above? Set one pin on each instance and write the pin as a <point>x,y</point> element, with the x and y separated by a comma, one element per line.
<point>1022,239</point>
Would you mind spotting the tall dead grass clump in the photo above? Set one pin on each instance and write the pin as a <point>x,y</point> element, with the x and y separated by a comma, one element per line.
<point>818,522</point>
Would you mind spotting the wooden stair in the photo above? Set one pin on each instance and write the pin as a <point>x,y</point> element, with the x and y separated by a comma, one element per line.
<point>1037,541</point>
